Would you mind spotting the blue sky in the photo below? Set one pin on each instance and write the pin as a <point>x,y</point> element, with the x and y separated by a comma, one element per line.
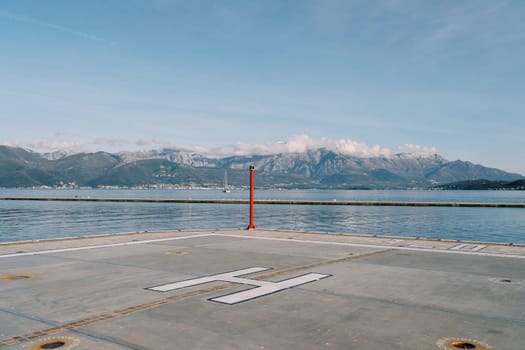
<point>372,76</point>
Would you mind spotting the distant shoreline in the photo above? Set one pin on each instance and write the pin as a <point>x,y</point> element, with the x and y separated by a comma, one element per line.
<point>272,202</point>
<point>447,187</point>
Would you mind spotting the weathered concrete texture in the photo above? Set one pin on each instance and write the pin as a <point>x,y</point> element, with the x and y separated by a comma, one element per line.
<point>381,293</point>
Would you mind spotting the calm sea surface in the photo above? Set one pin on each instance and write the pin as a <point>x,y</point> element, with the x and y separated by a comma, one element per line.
<point>25,220</point>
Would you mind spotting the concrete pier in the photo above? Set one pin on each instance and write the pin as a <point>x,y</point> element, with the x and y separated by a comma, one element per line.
<point>262,289</point>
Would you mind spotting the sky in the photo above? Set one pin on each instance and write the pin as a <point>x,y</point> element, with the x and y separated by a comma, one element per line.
<point>369,78</point>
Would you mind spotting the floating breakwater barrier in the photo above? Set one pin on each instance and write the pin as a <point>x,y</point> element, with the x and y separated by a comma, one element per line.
<point>272,202</point>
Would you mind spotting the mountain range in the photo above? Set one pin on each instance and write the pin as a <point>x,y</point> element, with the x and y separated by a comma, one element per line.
<point>320,168</point>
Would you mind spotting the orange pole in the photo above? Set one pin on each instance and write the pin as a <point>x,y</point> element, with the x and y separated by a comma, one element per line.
<point>251,226</point>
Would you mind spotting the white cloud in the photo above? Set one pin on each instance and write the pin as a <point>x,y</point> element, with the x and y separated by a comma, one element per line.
<point>43,144</point>
<point>410,148</point>
<point>294,144</point>
<point>11,143</point>
<point>105,141</point>
<point>302,143</point>
<point>150,142</point>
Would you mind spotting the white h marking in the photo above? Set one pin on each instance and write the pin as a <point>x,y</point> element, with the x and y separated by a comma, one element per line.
<point>262,287</point>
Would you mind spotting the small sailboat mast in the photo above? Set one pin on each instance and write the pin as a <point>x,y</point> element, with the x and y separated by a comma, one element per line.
<point>226,188</point>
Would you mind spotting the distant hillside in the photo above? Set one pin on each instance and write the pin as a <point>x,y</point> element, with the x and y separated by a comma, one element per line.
<point>319,168</point>
<point>19,167</point>
<point>518,185</point>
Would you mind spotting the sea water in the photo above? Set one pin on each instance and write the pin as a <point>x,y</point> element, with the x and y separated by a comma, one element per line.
<point>29,220</point>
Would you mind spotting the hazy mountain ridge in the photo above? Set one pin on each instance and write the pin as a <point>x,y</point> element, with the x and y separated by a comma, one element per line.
<point>321,168</point>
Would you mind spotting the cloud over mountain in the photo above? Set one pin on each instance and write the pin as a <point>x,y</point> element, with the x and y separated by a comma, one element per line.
<point>294,144</point>
<point>303,143</point>
<point>54,144</point>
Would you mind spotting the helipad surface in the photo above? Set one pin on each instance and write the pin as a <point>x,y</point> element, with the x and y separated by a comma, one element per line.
<point>260,290</point>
